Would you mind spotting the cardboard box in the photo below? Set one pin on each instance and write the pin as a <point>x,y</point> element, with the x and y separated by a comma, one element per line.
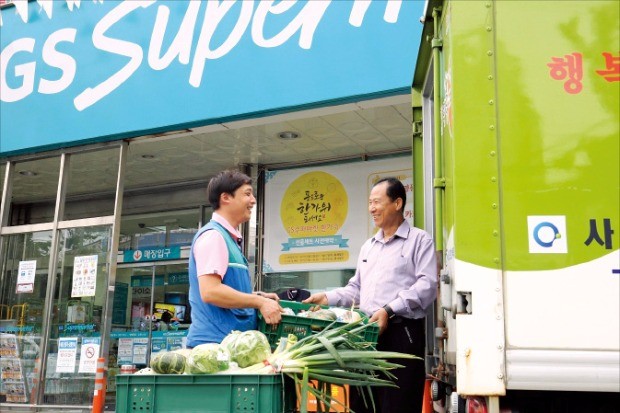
<point>338,392</point>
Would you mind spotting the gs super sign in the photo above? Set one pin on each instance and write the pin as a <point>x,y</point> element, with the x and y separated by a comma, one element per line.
<point>193,63</point>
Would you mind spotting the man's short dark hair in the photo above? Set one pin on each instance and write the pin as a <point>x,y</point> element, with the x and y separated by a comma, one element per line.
<point>395,189</point>
<point>225,182</point>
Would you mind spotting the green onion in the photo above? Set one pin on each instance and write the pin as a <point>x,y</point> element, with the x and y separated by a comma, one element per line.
<point>335,355</point>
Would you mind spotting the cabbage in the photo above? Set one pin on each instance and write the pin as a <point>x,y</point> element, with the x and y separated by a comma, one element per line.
<point>247,348</point>
<point>207,359</point>
<point>322,314</point>
<point>184,351</point>
<point>229,341</point>
<point>168,362</point>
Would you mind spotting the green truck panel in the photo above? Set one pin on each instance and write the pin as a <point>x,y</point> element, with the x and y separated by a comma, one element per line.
<point>530,128</point>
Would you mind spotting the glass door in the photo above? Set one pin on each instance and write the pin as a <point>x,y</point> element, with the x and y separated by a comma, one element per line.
<point>76,320</point>
<point>57,271</point>
<point>151,314</point>
<point>23,284</point>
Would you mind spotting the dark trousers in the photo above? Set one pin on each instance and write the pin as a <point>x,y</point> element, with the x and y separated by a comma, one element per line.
<point>404,336</point>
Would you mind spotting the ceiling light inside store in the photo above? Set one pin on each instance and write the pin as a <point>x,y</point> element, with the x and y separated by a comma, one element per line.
<point>27,173</point>
<point>286,135</point>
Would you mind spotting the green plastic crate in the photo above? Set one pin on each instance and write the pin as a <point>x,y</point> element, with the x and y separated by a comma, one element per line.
<point>303,326</point>
<point>192,393</point>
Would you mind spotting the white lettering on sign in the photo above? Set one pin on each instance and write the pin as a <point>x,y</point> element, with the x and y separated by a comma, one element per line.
<point>62,61</point>
<point>361,6</point>
<point>305,22</point>
<point>27,71</point>
<point>215,13</point>
<point>181,45</point>
<point>24,70</point>
<point>121,47</point>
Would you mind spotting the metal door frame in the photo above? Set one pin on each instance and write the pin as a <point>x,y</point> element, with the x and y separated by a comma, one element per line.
<point>56,226</point>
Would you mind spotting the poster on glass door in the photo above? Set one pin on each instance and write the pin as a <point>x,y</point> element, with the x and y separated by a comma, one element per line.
<point>317,218</point>
<point>84,276</point>
<point>25,276</point>
<point>89,353</point>
<point>67,352</point>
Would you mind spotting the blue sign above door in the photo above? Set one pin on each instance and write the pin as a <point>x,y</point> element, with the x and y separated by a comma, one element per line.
<point>152,254</point>
<point>111,70</point>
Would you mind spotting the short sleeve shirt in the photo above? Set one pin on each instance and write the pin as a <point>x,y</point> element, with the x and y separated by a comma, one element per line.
<point>210,251</point>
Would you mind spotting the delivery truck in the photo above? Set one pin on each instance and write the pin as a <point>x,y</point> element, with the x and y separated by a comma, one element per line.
<point>516,148</point>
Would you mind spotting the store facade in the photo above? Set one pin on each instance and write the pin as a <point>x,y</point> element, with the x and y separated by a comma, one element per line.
<point>114,115</point>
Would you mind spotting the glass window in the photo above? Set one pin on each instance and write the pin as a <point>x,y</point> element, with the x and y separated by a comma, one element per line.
<point>147,319</point>
<point>91,186</point>
<point>313,281</point>
<point>162,229</point>
<point>35,184</point>
<point>23,282</point>
<point>79,297</point>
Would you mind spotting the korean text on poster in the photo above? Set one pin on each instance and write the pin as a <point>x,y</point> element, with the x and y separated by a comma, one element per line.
<point>89,354</point>
<point>140,350</point>
<point>67,349</point>
<point>125,351</point>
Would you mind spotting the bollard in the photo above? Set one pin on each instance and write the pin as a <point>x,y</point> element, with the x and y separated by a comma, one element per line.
<point>427,402</point>
<point>99,395</point>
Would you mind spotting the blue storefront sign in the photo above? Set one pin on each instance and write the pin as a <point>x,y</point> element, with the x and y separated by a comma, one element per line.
<point>152,254</point>
<point>81,74</point>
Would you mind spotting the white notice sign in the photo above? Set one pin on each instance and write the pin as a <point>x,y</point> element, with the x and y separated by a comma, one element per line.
<point>67,349</point>
<point>125,351</point>
<point>88,355</point>
<point>139,350</point>
<point>25,276</point>
<point>84,276</point>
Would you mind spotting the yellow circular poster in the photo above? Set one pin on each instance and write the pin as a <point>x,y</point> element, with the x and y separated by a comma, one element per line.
<point>314,204</point>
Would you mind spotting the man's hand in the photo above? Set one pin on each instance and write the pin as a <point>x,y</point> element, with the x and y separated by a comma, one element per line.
<point>271,311</point>
<point>318,298</point>
<point>381,317</point>
<point>271,296</point>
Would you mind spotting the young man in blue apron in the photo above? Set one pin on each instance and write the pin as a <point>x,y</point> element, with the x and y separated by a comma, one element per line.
<point>220,289</point>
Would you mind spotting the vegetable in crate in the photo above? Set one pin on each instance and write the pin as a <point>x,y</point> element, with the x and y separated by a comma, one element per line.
<point>336,356</point>
<point>168,362</point>
<point>185,351</point>
<point>247,348</point>
<point>208,359</point>
<point>346,316</point>
<point>229,340</point>
<point>322,314</point>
